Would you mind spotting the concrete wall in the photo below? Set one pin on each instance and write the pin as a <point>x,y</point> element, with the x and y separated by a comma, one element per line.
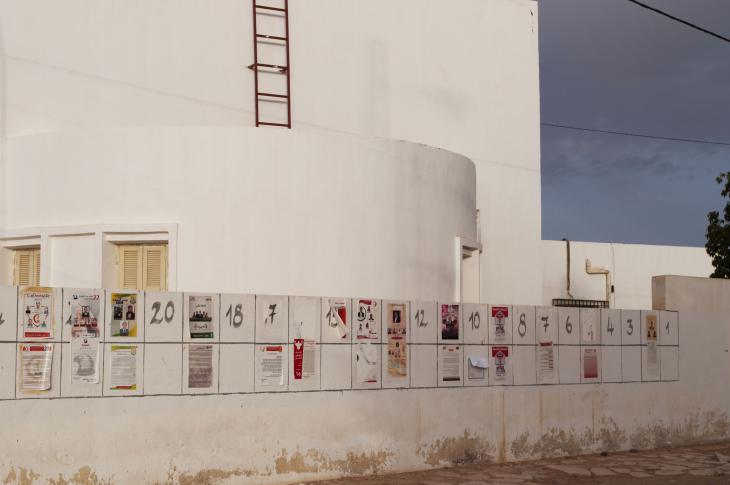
<point>691,294</point>
<point>632,267</point>
<point>403,70</point>
<point>259,211</point>
<point>290,437</point>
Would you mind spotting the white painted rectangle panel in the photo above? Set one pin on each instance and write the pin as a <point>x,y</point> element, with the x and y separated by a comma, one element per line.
<point>524,365</point>
<point>336,367</point>
<point>163,368</point>
<point>474,373</point>
<point>8,313</point>
<point>272,319</point>
<point>424,322</point>
<point>163,316</point>
<point>568,326</point>
<point>611,363</point>
<point>236,368</point>
<point>568,364</point>
<point>610,326</point>
<point>237,318</point>
<point>477,323</point>
<point>336,317</point>
<point>424,365</point>
<point>523,325</point>
<point>304,312</point>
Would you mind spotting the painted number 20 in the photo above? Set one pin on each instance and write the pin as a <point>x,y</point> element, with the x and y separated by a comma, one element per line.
<point>169,312</point>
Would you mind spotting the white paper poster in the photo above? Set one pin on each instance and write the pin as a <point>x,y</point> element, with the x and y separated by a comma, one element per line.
<point>499,358</point>
<point>367,325</point>
<point>451,363</point>
<point>271,366</point>
<point>545,362</point>
<point>366,363</point>
<point>397,325</point>
<point>84,309</point>
<point>38,312</point>
<point>477,368</point>
<point>335,313</point>
<point>200,316</point>
<point>590,363</point>
<point>123,367</point>
<point>36,362</point>
<point>85,359</point>
<point>200,366</point>
<point>500,314</point>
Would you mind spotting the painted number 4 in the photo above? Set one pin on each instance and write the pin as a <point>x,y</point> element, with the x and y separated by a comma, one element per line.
<point>2,320</point>
<point>609,328</point>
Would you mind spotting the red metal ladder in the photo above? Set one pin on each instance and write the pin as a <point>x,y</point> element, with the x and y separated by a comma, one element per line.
<point>271,69</point>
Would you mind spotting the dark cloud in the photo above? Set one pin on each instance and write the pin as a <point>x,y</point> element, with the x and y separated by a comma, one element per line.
<point>612,65</point>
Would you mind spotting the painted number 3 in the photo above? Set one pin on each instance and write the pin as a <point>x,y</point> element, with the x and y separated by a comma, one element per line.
<point>169,312</point>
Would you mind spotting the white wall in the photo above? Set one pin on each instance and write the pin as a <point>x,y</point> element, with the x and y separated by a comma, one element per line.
<point>292,437</point>
<point>632,267</point>
<point>259,211</point>
<point>456,75</point>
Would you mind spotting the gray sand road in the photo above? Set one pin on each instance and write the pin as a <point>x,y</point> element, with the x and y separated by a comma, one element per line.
<point>693,465</point>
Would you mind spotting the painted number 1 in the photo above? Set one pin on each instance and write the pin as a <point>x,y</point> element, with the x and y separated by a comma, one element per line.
<point>420,317</point>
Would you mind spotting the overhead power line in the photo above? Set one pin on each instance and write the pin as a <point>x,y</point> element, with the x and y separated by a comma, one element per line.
<point>638,135</point>
<point>677,19</point>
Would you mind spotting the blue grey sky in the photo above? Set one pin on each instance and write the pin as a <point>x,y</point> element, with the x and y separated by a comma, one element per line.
<point>609,64</point>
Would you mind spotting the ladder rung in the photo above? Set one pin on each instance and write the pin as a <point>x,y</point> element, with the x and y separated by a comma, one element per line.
<point>274,95</point>
<point>268,123</point>
<point>255,66</point>
<point>275,37</point>
<point>264,7</point>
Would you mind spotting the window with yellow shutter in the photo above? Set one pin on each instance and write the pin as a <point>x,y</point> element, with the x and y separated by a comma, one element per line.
<point>142,267</point>
<point>27,267</point>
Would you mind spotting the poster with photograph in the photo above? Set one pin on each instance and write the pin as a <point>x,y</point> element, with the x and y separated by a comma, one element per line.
<point>590,363</point>
<point>304,355</point>
<point>83,313</point>
<point>38,312</point>
<point>450,322</point>
<point>366,363</point>
<point>123,368</point>
<point>397,326</point>
<point>124,315</point>
<point>500,315</point>
<point>545,363</point>
<point>367,325</point>
<point>200,366</point>
<point>271,366</point>
<point>36,362</point>
<point>200,316</point>
<point>499,359</point>
<point>450,363</point>
<point>85,359</point>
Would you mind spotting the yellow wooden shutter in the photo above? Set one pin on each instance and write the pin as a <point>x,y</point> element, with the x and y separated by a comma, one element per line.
<point>155,267</point>
<point>27,267</point>
<point>130,271</point>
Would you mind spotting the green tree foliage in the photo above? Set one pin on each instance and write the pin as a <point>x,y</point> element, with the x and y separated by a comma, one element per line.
<point>718,233</point>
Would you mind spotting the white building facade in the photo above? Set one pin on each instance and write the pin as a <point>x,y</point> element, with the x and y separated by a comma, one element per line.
<point>133,124</point>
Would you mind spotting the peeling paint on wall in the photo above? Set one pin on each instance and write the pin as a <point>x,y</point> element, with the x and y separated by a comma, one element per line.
<point>705,427</point>
<point>314,461</point>
<point>22,477</point>
<point>466,449</point>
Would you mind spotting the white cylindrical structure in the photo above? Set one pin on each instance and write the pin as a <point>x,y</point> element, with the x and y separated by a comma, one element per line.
<point>263,211</point>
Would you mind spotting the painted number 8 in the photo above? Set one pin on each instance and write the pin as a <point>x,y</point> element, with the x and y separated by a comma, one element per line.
<point>522,327</point>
